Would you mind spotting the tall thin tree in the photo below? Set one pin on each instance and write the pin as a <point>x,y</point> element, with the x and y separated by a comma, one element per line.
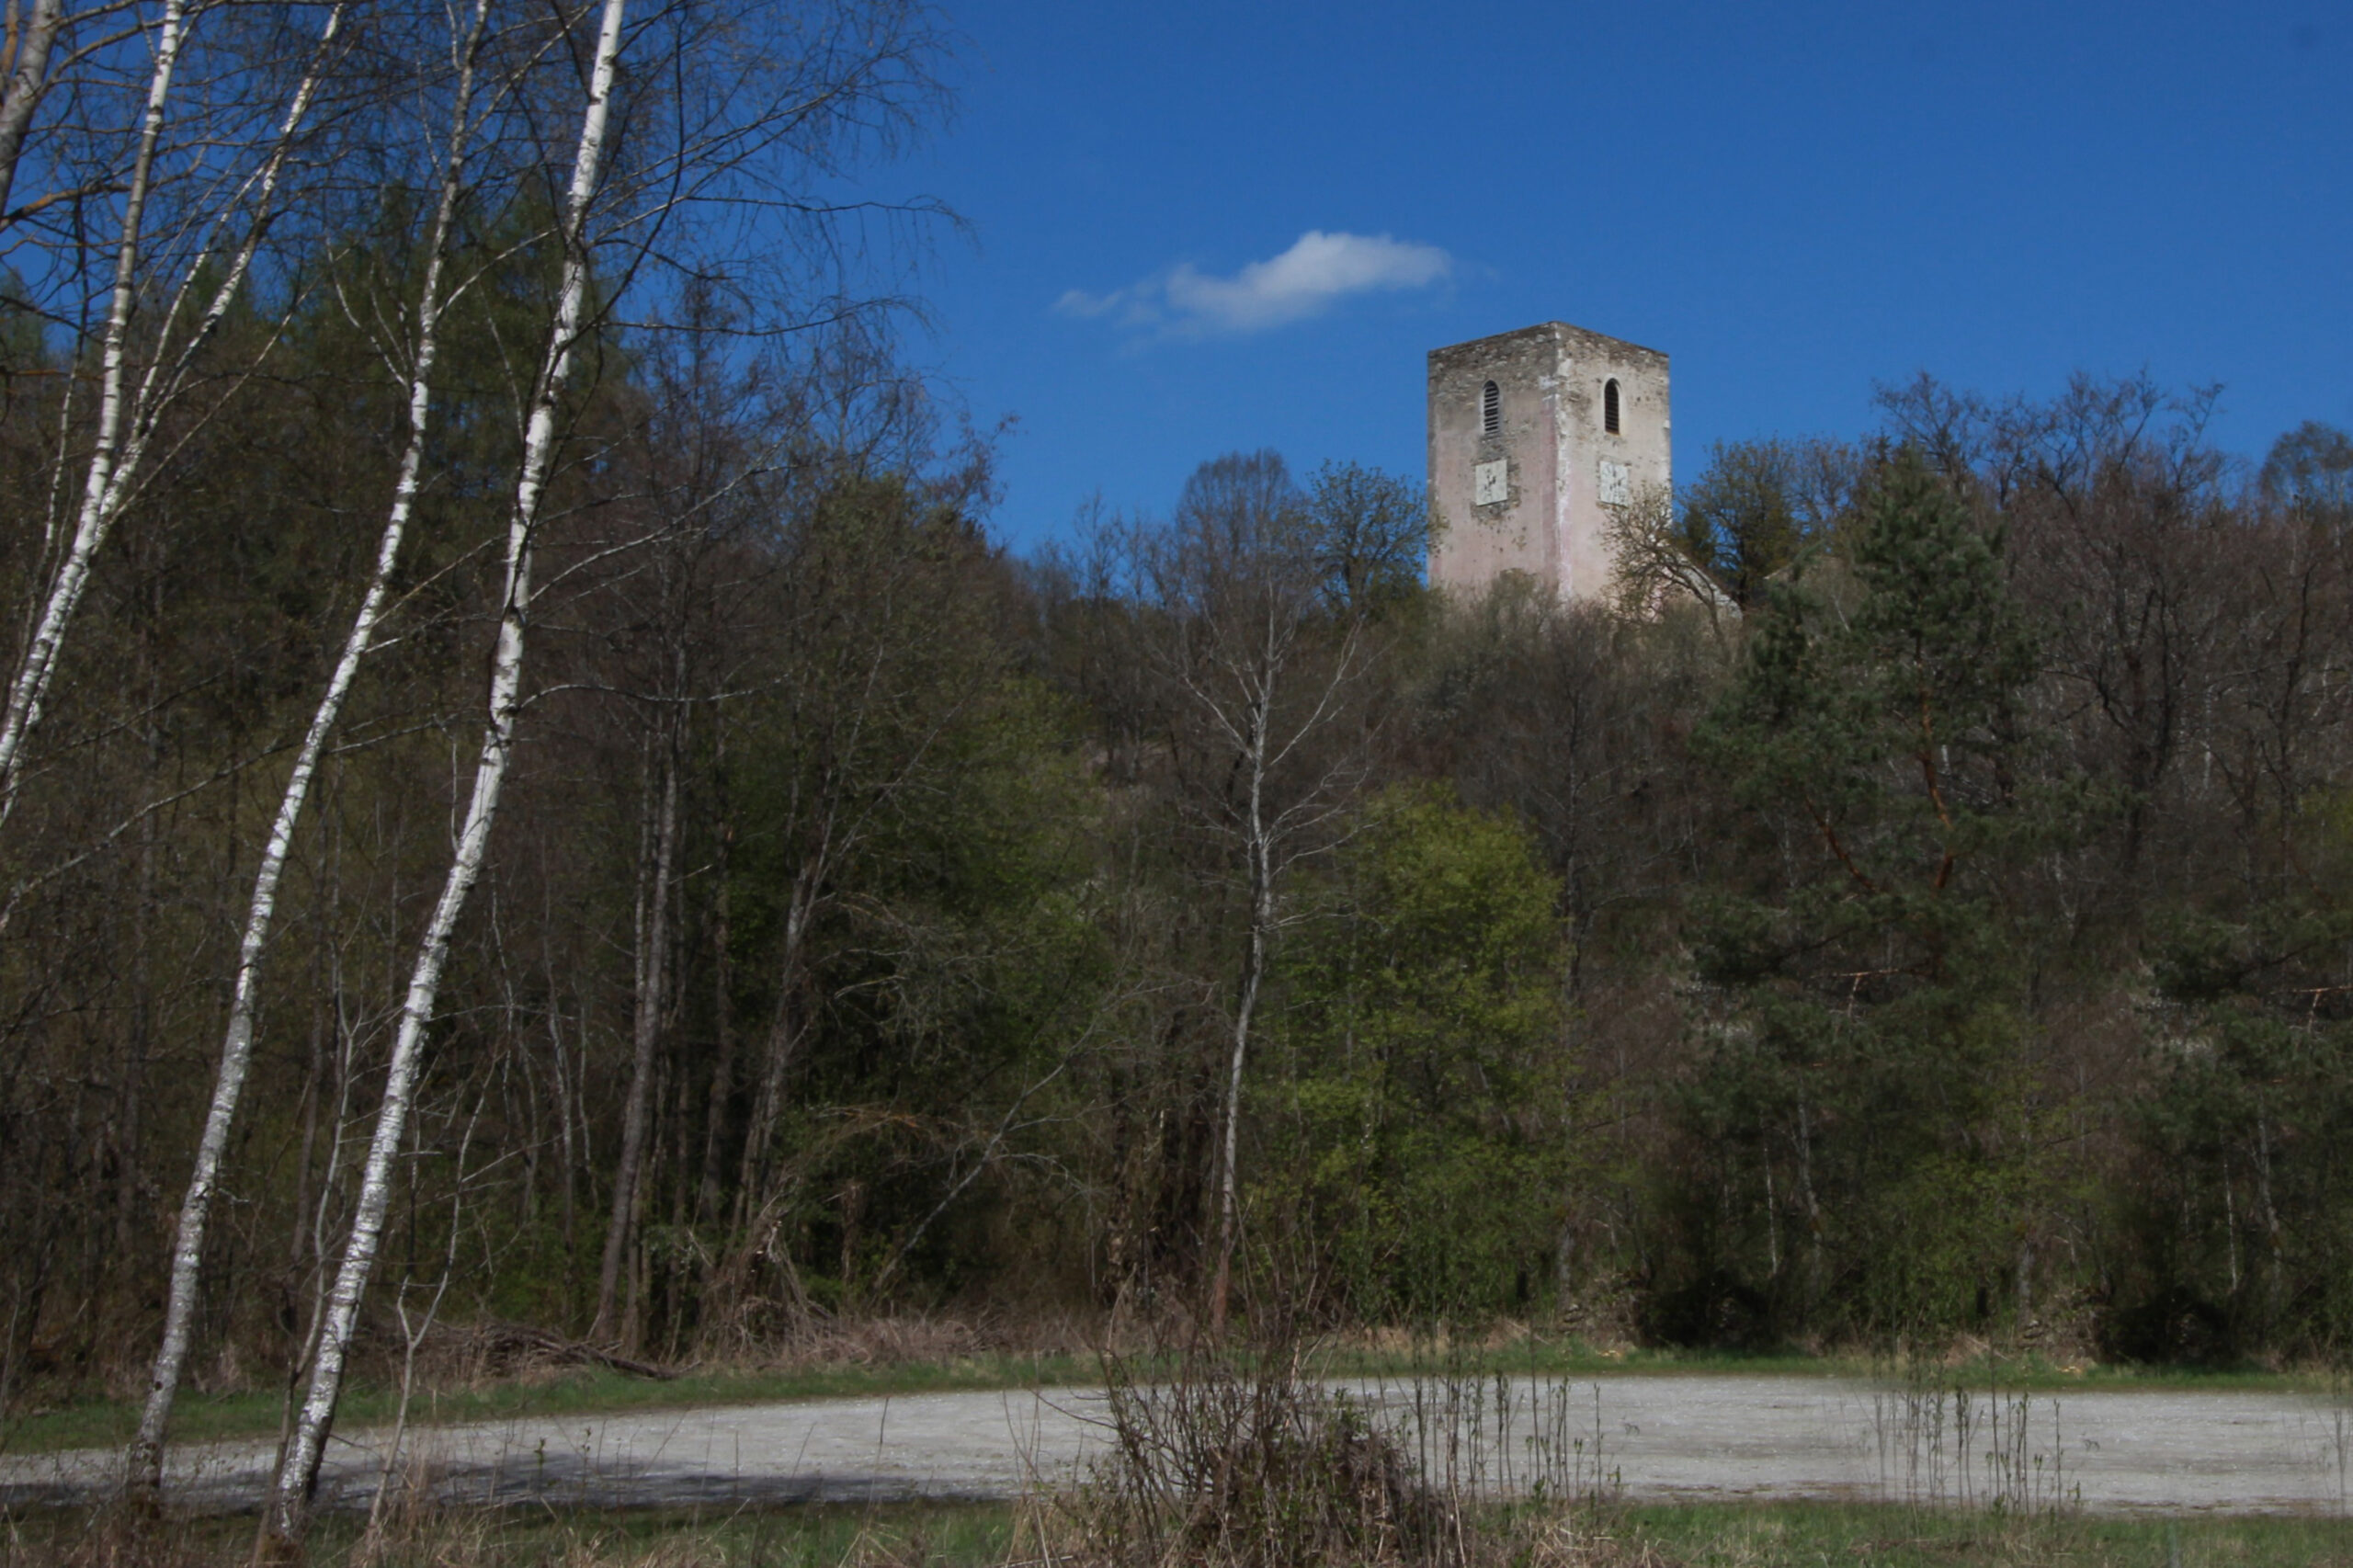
<point>146,1460</point>
<point>128,412</point>
<point>289,1512</point>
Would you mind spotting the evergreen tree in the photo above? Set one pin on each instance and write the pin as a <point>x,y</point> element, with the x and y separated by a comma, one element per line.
<point>1862,1111</point>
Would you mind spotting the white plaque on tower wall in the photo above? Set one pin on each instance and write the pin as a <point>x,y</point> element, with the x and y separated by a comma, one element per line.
<point>1615,490</point>
<point>1490,482</point>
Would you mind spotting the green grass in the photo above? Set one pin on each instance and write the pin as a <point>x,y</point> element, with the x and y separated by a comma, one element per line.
<point>941,1536</point>
<point>2029,1372</point>
<point>1885,1536</point>
<point>949,1536</point>
<point>110,1423</point>
<point>1785,1534</point>
<point>105,1423</point>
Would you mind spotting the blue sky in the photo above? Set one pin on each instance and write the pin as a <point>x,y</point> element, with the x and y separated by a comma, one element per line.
<point>1205,226</point>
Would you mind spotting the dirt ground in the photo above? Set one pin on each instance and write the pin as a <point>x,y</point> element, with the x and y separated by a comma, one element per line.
<point>1682,1438</point>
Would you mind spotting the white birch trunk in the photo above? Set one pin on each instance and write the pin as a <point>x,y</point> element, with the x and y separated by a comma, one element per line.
<point>126,420</point>
<point>27,81</point>
<point>146,1459</point>
<point>298,1473</point>
<point>1254,969</point>
<point>31,683</point>
<point>1246,712</point>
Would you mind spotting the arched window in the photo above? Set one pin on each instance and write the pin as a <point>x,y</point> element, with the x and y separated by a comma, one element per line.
<point>1491,410</point>
<point>1609,406</point>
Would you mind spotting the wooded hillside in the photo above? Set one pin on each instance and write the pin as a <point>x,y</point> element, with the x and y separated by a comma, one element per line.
<point>526,773</point>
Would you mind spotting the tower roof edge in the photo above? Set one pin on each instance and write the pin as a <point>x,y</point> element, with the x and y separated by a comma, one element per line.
<point>1559,331</point>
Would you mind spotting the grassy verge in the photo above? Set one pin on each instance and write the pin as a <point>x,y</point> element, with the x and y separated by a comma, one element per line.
<point>2029,1372</point>
<point>1772,1535</point>
<point>105,1423</point>
<point>1792,1535</point>
<point>958,1536</point>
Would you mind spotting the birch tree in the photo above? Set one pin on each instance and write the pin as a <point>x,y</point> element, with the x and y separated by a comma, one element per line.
<point>50,52</point>
<point>131,407</point>
<point>1263,677</point>
<point>28,82</point>
<point>146,1460</point>
<point>287,1516</point>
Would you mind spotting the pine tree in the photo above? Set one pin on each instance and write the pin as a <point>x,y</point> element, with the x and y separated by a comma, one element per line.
<point>1863,1105</point>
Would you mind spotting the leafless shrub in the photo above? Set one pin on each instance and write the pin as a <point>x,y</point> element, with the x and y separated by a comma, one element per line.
<point>1248,1460</point>
<point>1652,567</point>
<point>1259,1469</point>
<point>1946,1440</point>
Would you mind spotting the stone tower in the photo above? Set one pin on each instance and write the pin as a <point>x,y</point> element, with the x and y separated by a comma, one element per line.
<point>1533,434</point>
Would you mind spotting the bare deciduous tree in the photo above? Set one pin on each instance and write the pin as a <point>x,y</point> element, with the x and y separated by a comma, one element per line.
<point>132,400</point>
<point>146,1460</point>
<point>298,1476</point>
<point>1651,565</point>
<point>1265,675</point>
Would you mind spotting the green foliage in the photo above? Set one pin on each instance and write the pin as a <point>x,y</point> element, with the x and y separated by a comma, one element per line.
<point>2244,1205</point>
<point>913,801</point>
<point>1773,977</point>
<point>1888,730</point>
<point>1864,1103</point>
<point>1427,1074</point>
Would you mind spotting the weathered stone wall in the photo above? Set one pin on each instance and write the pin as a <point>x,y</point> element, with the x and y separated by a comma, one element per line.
<point>1548,521</point>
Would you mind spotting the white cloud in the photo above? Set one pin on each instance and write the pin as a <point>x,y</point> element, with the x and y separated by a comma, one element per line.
<point>1303,282</point>
<point>1079,303</point>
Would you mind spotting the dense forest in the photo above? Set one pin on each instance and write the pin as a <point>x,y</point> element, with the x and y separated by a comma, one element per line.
<point>529,793</point>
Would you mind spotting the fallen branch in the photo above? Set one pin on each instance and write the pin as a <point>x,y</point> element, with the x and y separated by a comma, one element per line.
<point>509,1345</point>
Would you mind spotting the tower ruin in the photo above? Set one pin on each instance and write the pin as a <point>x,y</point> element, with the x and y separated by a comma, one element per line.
<point>1534,436</point>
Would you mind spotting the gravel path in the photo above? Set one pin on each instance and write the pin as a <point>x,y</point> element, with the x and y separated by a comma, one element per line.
<point>1657,1438</point>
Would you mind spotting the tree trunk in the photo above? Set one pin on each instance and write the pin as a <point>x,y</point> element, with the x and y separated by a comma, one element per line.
<point>722,1070</point>
<point>126,422</point>
<point>653,963</point>
<point>144,1472</point>
<point>753,1191</point>
<point>1254,969</point>
<point>289,1512</point>
<point>2275,1246</point>
<point>1813,1208</point>
<point>30,685</point>
<point>28,83</point>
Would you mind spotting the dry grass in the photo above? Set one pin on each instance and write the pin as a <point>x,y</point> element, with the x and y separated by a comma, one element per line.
<point>1248,1461</point>
<point>1793,1535</point>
